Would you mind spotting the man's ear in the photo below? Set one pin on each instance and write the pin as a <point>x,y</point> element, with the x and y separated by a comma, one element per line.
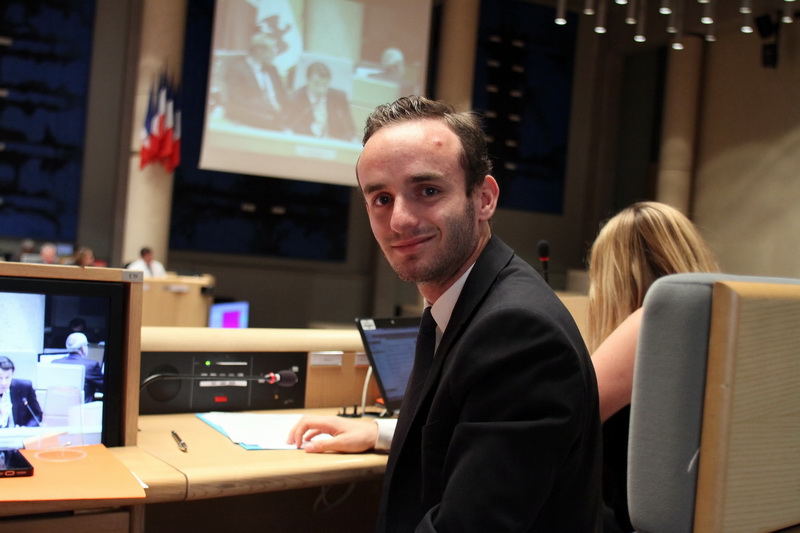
<point>489,193</point>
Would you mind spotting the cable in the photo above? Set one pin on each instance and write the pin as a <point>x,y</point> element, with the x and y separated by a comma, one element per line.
<point>322,499</point>
<point>364,390</point>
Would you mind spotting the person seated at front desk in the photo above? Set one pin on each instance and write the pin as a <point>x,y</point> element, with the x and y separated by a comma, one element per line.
<point>148,264</point>
<point>18,404</point>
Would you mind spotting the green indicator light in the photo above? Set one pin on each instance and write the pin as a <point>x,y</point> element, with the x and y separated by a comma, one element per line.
<point>208,363</point>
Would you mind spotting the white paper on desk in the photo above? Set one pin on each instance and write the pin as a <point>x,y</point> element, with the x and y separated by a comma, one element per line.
<point>254,430</point>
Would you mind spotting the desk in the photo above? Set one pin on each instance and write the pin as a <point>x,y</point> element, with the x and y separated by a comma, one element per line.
<point>177,300</point>
<point>214,467</point>
<point>200,489</point>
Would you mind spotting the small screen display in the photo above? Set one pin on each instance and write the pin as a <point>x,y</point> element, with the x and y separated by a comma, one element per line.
<point>61,361</point>
<point>229,315</point>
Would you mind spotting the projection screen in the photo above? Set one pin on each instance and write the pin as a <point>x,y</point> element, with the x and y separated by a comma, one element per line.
<point>292,81</point>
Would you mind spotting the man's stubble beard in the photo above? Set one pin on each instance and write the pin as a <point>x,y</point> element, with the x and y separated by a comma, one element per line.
<point>462,241</point>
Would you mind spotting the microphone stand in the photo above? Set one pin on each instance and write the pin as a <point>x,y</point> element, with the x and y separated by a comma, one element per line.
<point>191,377</point>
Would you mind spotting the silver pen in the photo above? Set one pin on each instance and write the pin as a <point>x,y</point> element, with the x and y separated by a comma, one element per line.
<point>181,443</point>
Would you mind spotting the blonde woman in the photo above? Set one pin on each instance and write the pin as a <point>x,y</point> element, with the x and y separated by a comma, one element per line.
<point>640,244</point>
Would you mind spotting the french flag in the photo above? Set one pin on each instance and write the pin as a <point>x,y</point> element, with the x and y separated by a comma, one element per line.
<point>161,133</point>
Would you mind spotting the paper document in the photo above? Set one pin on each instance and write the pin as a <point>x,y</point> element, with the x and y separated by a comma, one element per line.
<point>254,431</point>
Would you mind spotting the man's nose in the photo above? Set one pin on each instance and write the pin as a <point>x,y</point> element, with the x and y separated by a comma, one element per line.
<point>403,215</point>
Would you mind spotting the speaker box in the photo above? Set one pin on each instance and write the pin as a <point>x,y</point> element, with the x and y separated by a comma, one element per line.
<point>191,382</point>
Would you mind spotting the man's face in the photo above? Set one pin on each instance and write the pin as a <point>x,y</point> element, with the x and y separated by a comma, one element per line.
<point>48,255</point>
<point>266,51</point>
<point>414,186</point>
<point>318,85</point>
<point>5,380</point>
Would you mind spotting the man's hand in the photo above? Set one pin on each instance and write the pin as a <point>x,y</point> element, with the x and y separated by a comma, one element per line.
<point>348,435</point>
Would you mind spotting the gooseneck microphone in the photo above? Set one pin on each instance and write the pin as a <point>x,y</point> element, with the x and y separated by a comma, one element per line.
<point>25,403</point>
<point>544,258</point>
<point>284,378</point>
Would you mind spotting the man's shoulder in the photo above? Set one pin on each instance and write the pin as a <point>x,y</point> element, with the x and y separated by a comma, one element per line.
<point>21,384</point>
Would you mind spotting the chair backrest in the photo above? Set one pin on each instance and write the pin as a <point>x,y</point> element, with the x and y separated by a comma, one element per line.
<point>59,375</point>
<point>714,442</point>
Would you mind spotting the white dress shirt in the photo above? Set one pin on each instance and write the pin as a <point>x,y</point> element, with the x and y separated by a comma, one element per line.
<point>442,310</point>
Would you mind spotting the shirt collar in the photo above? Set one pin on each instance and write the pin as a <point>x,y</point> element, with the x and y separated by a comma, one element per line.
<point>442,310</point>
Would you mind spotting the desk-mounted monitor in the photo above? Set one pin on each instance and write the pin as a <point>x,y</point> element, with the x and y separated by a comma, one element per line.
<point>229,315</point>
<point>41,304</point>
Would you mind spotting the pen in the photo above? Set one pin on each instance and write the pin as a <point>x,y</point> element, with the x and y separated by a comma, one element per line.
<point>181,444</point>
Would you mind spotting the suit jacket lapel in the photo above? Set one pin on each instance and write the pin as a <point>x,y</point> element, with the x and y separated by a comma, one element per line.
<point>494,258</point>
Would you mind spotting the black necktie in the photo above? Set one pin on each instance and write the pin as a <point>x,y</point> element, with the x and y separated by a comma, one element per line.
<point>423,357</point>
<point>426,344</point>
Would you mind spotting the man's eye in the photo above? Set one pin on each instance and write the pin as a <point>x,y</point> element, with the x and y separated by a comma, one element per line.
<point>429,191</point>
<point>382,199</point>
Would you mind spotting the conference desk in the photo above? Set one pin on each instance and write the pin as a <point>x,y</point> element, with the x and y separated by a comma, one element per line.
<point>215,467</point>
<point>217,486</point>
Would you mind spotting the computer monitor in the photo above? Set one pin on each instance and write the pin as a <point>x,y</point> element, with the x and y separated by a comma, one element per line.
<point>45,300</point>
<point>390,344</point>
<point>229,315</point>
<point>65,249</point>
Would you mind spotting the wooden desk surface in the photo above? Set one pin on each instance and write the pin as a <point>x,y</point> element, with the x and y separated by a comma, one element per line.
<point>164,484</point>
<point>215,467</point>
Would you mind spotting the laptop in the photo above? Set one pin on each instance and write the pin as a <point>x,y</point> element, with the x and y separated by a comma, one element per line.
<point>390,344</point>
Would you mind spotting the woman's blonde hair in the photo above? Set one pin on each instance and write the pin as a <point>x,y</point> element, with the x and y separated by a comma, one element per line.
<point>640,244</point>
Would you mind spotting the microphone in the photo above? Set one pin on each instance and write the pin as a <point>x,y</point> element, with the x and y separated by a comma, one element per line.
<point>544,257</point>
<point>284,378</point>
<point>25,403</point>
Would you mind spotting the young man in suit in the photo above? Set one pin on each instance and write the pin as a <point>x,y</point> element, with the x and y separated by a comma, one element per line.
<point>506,432</point>
<point>18,403</point>
<point>318,110</point>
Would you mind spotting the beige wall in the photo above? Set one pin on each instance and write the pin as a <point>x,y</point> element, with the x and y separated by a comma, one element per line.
<point>748,174</point>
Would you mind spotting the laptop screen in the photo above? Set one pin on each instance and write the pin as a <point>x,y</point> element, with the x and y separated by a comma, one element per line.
<point>390,345</point>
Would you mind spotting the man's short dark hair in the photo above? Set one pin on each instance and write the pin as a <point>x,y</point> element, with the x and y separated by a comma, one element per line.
<point>6,363</point>
<point>144,251</point>
<point>466,126</point>
<point>318,68</point>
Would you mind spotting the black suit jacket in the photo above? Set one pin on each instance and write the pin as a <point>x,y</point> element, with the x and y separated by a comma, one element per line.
<point>22,388</point>
<point>300,115</point>
<point>245,102</point>
<point>507,434</point>
<point>92,376</point>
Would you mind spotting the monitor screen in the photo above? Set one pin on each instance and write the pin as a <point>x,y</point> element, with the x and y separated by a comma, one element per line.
<point>64,249</point>
<point>62,360</point>
<point>229,315</point>
<point>390,344</point>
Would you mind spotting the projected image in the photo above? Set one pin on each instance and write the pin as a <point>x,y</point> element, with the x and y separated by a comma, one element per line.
<point>292,82</point>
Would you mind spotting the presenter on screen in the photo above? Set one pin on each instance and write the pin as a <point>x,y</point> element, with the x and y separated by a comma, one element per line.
<point>506,432</point>
<point>148,264</point>
<point>18,403</point>
<point>253,92</point>
<point>78,348</point>
<point>317,109</point>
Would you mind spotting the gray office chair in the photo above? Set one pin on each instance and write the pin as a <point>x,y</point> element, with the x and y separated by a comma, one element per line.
<point>714,442</point>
